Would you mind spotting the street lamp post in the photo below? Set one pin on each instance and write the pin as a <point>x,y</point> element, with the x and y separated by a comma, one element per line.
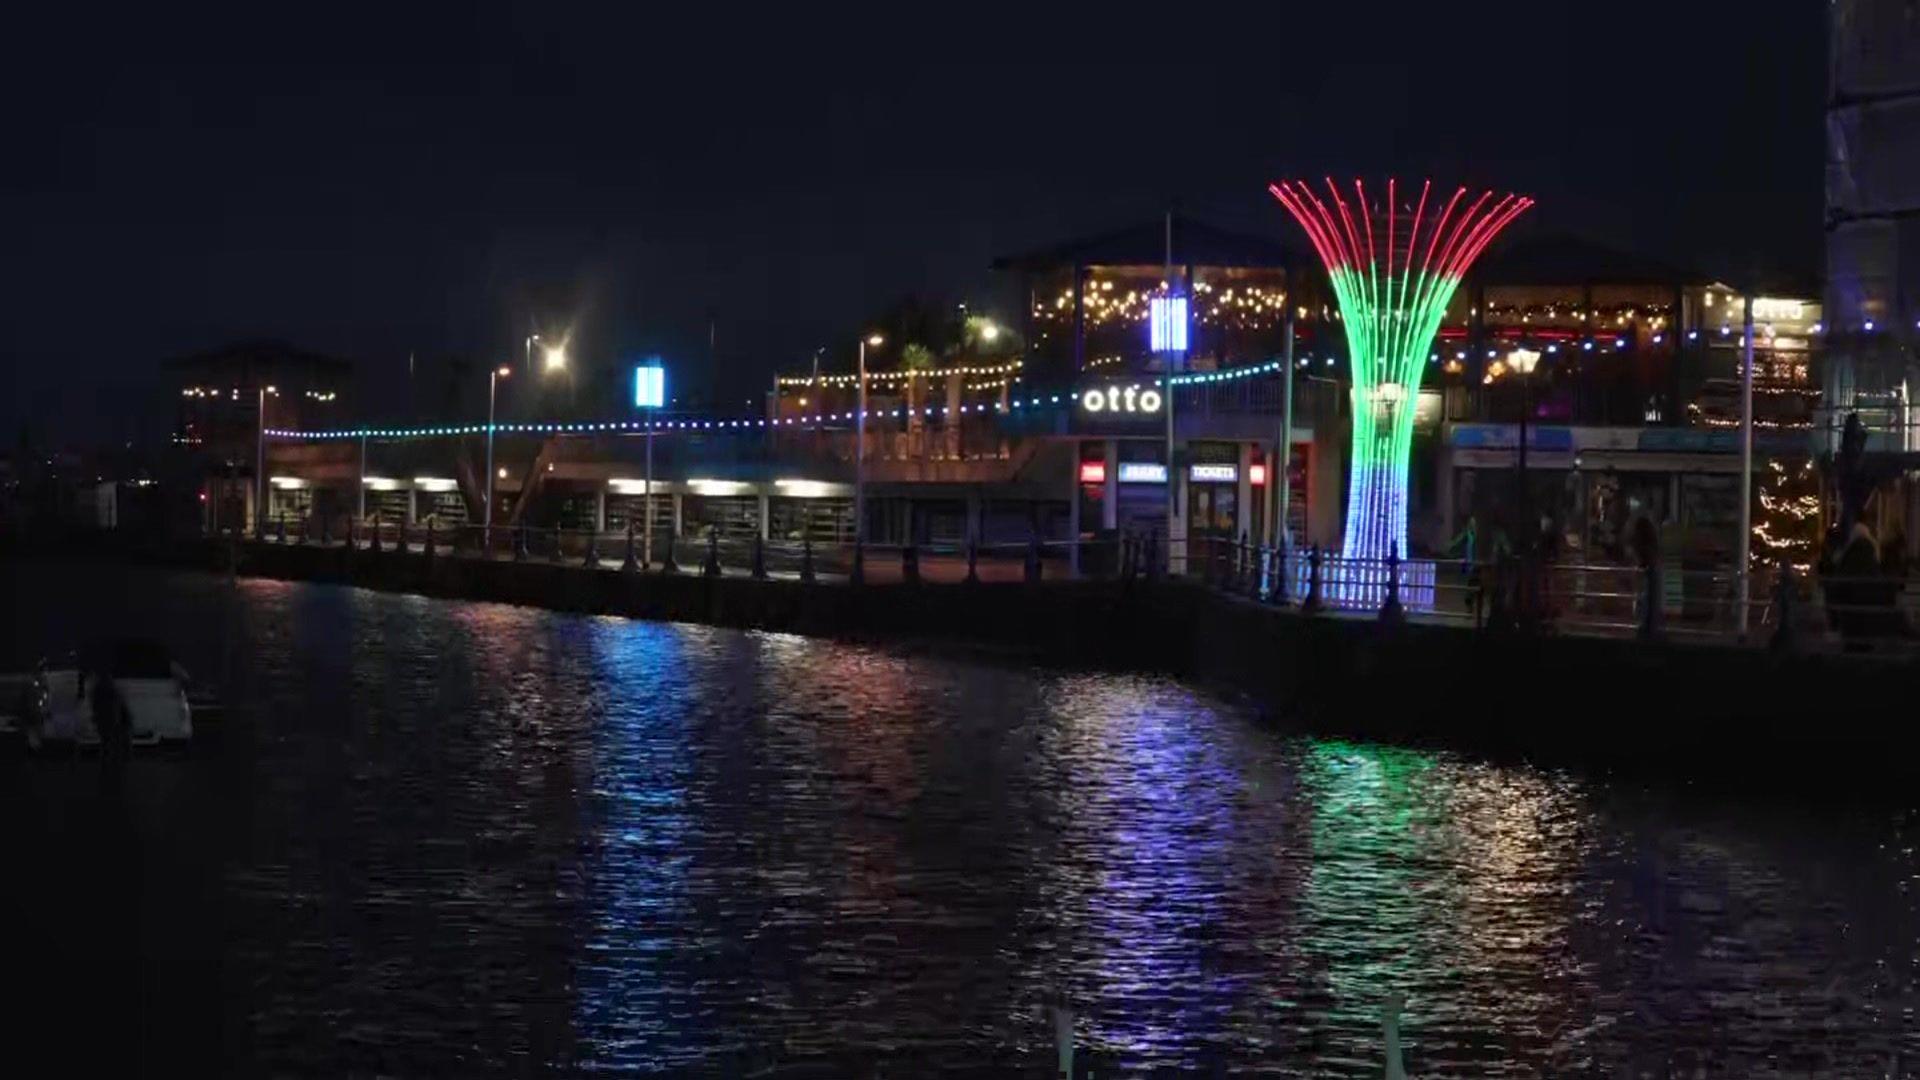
<point>860,445</point>
<point>1390,395</point>
<point>486,529</point>
<point>260,466</point>
<point>1523,361</point>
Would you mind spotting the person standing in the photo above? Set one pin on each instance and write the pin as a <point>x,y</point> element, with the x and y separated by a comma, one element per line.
<point>110,718</point>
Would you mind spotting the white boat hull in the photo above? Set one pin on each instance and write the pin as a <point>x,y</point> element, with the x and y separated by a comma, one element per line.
<point>156,710</point>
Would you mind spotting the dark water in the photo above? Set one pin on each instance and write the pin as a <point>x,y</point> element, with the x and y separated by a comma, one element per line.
<point>448,838</point>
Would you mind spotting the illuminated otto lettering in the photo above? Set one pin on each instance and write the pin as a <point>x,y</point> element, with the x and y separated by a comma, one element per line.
<point>1117,399</point>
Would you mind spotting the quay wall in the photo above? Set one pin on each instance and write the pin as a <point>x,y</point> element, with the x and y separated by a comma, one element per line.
<point>1700,711</point>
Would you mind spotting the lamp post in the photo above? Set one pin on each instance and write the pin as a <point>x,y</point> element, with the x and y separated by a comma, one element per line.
<point>486,529</point>
<point>260,465</point>
<point>649,394</point>
<point>1390,395</point>
<point>1744,582</point>
<point>860,444</point>
<point>1523,361</point>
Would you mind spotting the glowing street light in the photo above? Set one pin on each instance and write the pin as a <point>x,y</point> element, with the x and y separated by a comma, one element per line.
<point>556,358</point>
<point>989,332</point>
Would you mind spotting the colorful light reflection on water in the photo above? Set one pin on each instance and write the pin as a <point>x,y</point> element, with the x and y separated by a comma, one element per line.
<point>465,838</point>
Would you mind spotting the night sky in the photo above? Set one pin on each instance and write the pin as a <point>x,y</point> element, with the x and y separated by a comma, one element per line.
<point>377,182</point>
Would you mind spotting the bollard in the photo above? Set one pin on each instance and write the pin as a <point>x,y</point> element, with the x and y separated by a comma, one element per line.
<point>1033,558</point>
<point>759,559</point>
<point>712,566</point>
<point>1391,611</point>
<point>1278,593</point>
<point>591,560</point>
<point>806,560</point>
<point>1783,640</point>
<point>1312,603</point>
<point>973,562</point>
<point>858,575</point>
<point>910,564</point>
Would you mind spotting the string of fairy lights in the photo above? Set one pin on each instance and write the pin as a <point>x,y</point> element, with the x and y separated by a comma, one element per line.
<point>691,425</point>
<point>886,377</point>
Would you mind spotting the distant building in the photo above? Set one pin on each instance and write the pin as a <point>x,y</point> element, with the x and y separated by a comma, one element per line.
<point>223,395</point>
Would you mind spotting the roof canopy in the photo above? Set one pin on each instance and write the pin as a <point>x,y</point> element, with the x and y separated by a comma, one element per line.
<point>1570,260</point>
<point>1195,243</point>
<point>261,356</point>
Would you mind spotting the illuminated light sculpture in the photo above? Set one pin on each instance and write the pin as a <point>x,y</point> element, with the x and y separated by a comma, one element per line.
<point>1393,280</point>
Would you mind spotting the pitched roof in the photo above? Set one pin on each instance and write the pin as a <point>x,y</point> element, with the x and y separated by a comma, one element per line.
<point>1195,243</point>
<point>1570,260</point>
<point>266,354</point>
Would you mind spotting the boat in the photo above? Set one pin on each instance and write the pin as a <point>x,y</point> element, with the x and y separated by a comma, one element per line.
<point>150,689</point>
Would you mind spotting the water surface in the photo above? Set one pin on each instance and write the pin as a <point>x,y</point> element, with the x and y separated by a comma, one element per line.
<point>462,838</point>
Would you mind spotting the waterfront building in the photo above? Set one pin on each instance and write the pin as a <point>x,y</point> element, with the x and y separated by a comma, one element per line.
<point>1632,407</point>
<point>1872,340</point>
<point>223,396</point>
<point>1632,412</point>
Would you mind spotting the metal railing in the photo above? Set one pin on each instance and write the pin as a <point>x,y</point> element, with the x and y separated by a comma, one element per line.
<point>714,554</point>
<point>1858,613</point>
<point>1828,611</point>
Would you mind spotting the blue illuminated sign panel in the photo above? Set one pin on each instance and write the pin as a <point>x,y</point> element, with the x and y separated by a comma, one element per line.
<point>649,386</point>
<point>1168,323</point>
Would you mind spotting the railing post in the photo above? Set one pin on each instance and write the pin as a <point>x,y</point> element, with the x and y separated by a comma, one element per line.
<point>1652,619</point>
<point>910,564</point>
<point>1277,594</point>
<point>429,548</point>
<point>759,559</point>
<point>806,560</point>
<point>1391,611</point>
<point>1312,602</point>
<point>374,544</point>
<point>558,555</point>
<point>280,528</point>
<point>973,561</point>
<point>629,564</point>
<point>712,566</point>
<point>519,543</point>
<point>857,575</point>
<point>668,565</point>
<point>591,560</point>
